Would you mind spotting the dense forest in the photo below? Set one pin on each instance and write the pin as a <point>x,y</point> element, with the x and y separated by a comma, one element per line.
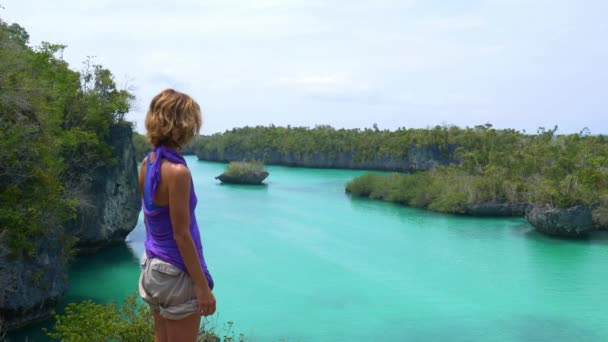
<point>304,143</point>
<point>142,146</point>
<point>558,171</point>
<point>54,123</point>
<point>477,165</point>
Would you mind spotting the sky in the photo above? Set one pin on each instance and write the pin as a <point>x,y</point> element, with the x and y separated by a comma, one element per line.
<point>410,63</point>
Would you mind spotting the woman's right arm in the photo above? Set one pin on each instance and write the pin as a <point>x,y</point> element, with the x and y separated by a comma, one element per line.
<point>178,182</point>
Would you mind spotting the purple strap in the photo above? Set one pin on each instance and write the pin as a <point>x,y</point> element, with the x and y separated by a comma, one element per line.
<point>160,153</point>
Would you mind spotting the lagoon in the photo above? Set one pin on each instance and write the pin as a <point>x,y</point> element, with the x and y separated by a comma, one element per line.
<point>301,259</point>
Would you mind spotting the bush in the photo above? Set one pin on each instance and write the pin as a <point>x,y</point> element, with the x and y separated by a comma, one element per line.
<point>243,168</point>
<point>142,146</point>
<point>363,185</point>
<point>91,322</point>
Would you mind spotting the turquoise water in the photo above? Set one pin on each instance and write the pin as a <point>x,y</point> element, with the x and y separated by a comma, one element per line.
<point>300,259</point>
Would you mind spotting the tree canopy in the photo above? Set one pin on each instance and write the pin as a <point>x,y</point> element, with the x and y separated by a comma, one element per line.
<point>487,164</point>
<point>53,122</point>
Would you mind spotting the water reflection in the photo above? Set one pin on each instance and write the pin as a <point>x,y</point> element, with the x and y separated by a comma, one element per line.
<point>245,187</point>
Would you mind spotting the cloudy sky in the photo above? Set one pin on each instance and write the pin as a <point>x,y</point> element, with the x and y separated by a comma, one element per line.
<point>348,63</point>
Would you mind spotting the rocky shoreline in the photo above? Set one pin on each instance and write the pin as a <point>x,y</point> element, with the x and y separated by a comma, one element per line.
<point>417,159</point>
<point>555,222</point>
<point>561,222</point>
<point>575,222</point>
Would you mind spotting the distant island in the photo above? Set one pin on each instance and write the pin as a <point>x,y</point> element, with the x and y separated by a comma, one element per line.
<point>249,173</point>
<point>559,182</point>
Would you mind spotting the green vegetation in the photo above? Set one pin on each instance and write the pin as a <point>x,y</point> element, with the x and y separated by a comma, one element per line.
<point>302,141</point>
<point>504,167</point>
<point>480,164</point>
<point>53,123</point>
<point>88,321</point>
<point>142,146</point>
<point>243,168</point>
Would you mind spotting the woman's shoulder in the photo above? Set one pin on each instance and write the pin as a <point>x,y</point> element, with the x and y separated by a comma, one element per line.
<point>175,170</point>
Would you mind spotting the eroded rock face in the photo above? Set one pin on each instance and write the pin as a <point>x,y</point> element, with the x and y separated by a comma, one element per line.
<point>600,218</point>
<point>111,202</point>
<point>31,286</point>
<point>498,209</point>
<point>417,159</point>
<point>569,222</point>
<point>253,178</point>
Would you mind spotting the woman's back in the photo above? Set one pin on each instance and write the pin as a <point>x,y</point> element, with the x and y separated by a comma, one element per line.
<point>160,242</point>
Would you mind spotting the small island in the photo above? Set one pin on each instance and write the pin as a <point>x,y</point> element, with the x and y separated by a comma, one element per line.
<point>250,173</point>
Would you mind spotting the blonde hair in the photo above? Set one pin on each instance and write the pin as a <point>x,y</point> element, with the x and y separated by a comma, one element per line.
<point>173,119</point>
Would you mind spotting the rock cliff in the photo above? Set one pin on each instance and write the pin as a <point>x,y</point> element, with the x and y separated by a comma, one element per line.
<point>110,203</point>
<point>600,219</point>
<point>30,286</point>
<point>569,222</point>
<point>417,159</point>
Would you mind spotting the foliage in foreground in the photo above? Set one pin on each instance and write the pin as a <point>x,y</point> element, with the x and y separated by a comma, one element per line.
<point>243,168</point>
<point>546,169</point>
<point>91,322</point>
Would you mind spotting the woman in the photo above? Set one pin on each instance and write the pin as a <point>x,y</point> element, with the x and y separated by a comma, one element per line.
<point>175,281</point>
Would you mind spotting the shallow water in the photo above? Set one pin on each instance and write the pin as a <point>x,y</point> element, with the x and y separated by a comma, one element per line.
<point>300,259</point>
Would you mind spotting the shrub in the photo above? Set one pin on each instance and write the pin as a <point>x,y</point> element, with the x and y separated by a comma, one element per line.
<point>90,322</point>
<point>242,168</point>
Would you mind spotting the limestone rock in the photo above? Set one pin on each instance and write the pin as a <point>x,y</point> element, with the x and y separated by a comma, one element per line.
<point>253,178</point>
<point>569,222</point>
<point>498,209</point>
<point>30,287</point>
<point>418,158</point>
<point>110,201</point>
<point>600,218</point>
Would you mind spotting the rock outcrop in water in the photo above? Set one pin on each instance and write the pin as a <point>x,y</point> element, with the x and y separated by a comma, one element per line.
<point>253,178</point>
<point>570,222</point>
<point>30,286</point>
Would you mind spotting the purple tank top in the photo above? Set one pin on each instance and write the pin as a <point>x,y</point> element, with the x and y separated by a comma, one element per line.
<point>159,230</point>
